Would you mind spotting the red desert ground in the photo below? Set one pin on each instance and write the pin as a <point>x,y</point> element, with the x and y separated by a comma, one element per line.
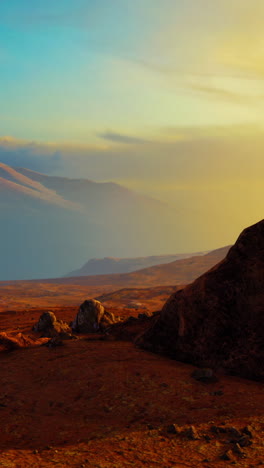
<point>162,367</point>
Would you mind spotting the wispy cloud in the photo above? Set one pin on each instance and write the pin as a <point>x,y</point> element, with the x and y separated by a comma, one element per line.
<point>123,139</point>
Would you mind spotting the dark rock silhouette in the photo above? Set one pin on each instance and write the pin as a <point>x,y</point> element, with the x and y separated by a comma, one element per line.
<point>50,327</point>
<point>217,321</point>
<point>92,317</point>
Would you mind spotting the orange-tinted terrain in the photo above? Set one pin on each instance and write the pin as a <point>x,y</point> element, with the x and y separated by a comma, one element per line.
<point>72,291</point>
<point>99,401</point>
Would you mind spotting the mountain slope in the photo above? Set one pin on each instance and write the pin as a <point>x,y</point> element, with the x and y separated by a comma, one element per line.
<point>49,224</point>
<point>179,272</point>
<point>15,187</point>
<point>110,265</point>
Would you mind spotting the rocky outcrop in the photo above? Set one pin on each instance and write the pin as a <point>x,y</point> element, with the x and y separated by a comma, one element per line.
<point>130,328</point>
<point>49,326</point>
<point>217,321</point>
<point>11,342</point>
<point>92,317</point>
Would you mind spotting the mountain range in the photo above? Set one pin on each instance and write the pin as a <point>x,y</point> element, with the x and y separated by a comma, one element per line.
<point>112,265</point>
<point>50,224</point>
<point>179,272</point>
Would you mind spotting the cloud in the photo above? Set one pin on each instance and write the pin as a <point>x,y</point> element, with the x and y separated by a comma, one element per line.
<point>176,155</point>
<point>123,139</point>
<point>35,156</point>
<point>226,94</point>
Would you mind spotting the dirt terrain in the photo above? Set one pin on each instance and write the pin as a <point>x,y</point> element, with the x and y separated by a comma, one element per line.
<point>25,295</point>
<point>99,403</point>
<point>175,273</point>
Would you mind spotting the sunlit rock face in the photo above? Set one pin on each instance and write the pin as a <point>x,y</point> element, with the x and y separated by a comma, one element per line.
<point>49,326</point>
<point>92,317</point>
<point>217,320</point>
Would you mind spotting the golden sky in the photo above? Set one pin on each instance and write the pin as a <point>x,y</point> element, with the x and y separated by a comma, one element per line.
<point>163,96</point>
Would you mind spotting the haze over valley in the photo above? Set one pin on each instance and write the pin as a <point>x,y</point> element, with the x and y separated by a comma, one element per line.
<point>51,224</point>
<point>132,233</point>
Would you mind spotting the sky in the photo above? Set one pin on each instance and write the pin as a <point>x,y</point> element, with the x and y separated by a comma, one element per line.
<point>163,96</point>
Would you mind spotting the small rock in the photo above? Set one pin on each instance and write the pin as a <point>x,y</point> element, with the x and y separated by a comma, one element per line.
<point>228,456</point>
<point>234,432</point>
<point>245,441</point>
<point>205,375</point>
<point>150,427</point>
<point>248,430</point>
<point>54,342</point>
<point>237,449</point>
<point>217,393</point>
<point>173,429</point>
<point>191,433</point>
<point>218,430</point>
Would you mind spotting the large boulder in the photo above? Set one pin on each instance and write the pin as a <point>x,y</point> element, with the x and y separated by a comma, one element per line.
<point>92,317</point>
<point>217,321</point>
<point>49,326</point>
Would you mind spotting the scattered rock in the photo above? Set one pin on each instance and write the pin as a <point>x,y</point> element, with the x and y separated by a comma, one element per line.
<point>234,431</point>
<point>135,305</point>
<point>219,430</point>
<point>11,342</point>
<point>217,393</point>
<point>245,441</point>
<point>92,317</point>
<point>228,456</point>
<point>237,449</point>
<point>205,375</point>
<point>54,342</point>
<point>173,429</point>
<point>150,427</point>
<point>191,433</point>
<point>144,315</point>
<point>248,430</point>
<point>50,327</point>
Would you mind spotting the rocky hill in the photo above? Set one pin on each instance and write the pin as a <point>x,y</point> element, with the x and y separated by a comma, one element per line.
<point>217,321</point>
<point>113,265</point>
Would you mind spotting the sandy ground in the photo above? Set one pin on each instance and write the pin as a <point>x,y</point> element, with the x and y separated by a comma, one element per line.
<point>97,403</point>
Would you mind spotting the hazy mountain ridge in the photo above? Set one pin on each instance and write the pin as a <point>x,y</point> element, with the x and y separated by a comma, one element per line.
<point>179,272</point>
<point>50,223</point>
<point>17,187</point>
<point>111,265</point>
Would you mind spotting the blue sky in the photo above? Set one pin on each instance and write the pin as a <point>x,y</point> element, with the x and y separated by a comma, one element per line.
<point>71,70</point>
<point>123,90</point>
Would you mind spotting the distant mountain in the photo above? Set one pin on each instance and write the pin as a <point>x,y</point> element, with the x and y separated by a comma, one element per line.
<point>111,265</point>
<point>179,272</point>
<point>49,224</point>
<point>18,188</point>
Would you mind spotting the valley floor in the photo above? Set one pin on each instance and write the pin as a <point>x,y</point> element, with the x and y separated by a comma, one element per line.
<point>94,403</point>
